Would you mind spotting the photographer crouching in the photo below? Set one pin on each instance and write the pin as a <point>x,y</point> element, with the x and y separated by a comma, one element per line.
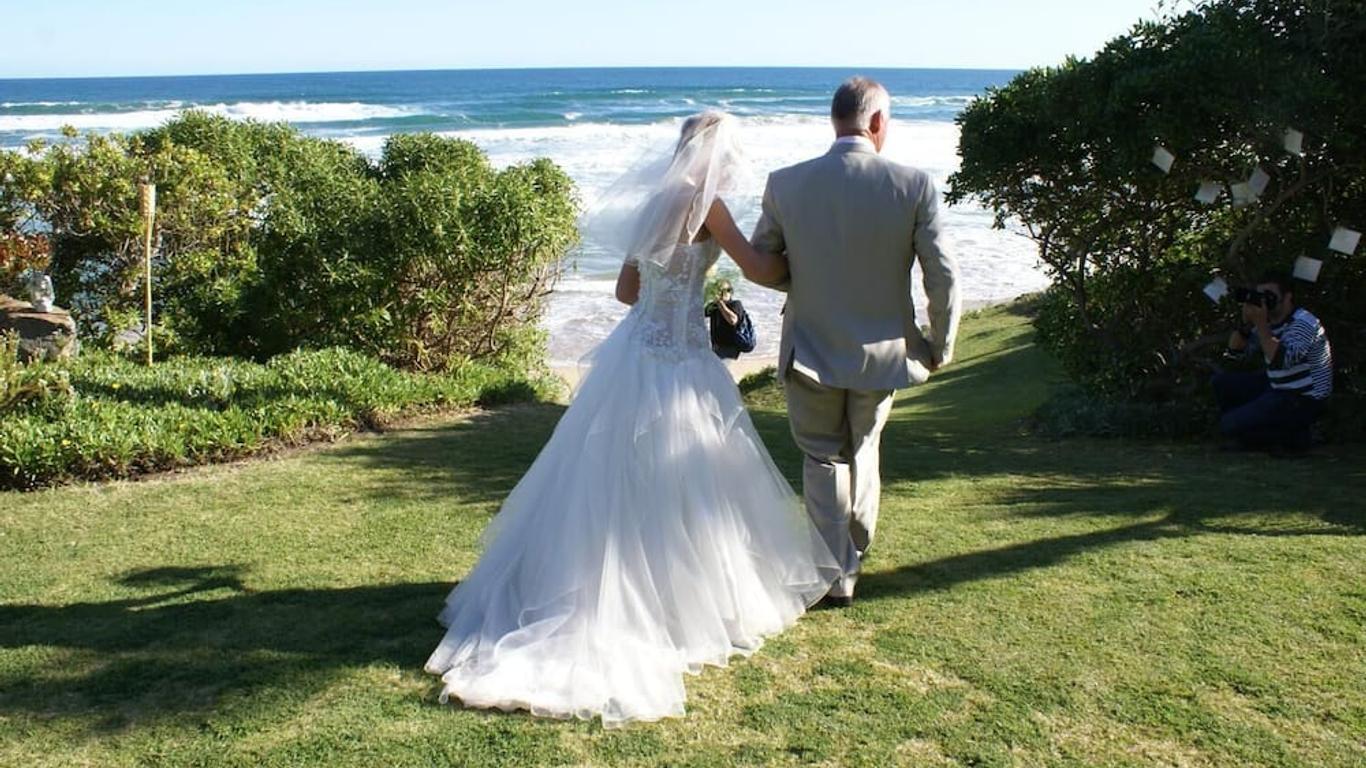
<point>1274,409</point>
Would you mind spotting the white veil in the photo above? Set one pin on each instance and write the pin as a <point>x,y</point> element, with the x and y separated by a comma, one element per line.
<point>664,200</point>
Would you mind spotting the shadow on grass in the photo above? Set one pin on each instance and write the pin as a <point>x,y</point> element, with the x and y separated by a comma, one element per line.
<point>476,460</point>
<point>948,572</point>
<point>149,658</point>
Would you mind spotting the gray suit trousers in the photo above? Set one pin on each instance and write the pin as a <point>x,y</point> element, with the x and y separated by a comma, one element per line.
<point>840,433</point>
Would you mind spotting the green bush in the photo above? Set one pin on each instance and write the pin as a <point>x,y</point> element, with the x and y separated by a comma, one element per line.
<point>20,253</point>
<point>470,253</point>
<point>270,241</point>
<point>111,417</point>
<point>1065,151</point>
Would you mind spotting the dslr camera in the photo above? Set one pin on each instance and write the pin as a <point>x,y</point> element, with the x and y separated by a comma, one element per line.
<point>1267,299</point>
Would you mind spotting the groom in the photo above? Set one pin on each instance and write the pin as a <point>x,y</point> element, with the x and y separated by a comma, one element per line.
<point>851,224</point>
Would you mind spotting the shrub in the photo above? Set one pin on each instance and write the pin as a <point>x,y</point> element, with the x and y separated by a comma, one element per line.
<point>1066,151</point>
<point>270,241</point>
<point>470,253</point>
<point>21,247</point>
<point>118,418</point>
<point>20,253</point>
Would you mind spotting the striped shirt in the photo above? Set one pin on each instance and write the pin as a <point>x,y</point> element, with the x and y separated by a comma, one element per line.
<point>1304,362</point>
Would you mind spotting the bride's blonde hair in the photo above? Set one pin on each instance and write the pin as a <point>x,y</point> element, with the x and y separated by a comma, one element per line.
<point>696,124</point>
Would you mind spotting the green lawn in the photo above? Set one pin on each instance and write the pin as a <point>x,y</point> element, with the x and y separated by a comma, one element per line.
<point>1028,603</point>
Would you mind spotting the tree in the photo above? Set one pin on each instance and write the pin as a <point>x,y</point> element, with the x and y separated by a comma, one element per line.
<point>1067,152</point>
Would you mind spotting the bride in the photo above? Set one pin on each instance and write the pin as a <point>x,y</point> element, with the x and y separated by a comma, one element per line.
<point>653,534</point>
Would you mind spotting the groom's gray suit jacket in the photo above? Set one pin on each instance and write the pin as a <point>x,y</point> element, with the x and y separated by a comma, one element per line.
<point>851,224</point>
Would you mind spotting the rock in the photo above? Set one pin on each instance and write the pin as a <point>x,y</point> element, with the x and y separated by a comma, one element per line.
<point>42,335</point>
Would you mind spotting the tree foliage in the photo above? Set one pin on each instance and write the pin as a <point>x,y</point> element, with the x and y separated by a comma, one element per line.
<point>1067,152</point>
<point>269,241</point>
<point>20,253</point>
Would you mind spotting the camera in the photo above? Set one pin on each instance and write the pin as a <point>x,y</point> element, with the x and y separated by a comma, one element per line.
<point>1267,299</point>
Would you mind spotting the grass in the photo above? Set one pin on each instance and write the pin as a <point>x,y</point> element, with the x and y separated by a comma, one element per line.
<point>102,416</point>
<point>1073,602</point>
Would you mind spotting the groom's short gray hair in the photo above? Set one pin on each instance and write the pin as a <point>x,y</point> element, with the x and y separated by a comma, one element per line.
<point>856,101</point>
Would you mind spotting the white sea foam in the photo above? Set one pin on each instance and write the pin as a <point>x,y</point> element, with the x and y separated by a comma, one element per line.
<point>106,121</point>
<point>17,104</point>
<point>954,102</point>
<point>743,101</point>
<point>371,146</point>
<point>270,111</point>
<point>306,112</point>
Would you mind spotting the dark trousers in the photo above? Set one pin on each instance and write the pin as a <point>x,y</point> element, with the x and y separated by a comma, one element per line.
<point>725,351</point>
<point>1258,416</point>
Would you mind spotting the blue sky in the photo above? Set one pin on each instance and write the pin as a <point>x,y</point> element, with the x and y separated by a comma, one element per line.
<point>160,37</point>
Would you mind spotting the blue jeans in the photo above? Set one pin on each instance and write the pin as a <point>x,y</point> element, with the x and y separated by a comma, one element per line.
<point>1258,416</point>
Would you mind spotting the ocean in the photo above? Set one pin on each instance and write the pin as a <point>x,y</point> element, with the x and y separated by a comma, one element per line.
<point>594,123</point>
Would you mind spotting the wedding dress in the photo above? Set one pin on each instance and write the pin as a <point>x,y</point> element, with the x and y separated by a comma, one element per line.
<point>653,535</point>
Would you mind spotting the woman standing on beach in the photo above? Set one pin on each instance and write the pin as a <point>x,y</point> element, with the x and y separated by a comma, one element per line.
<point>731,330</point>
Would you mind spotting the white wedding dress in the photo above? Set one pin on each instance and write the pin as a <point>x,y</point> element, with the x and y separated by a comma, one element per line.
<point>653,534</point>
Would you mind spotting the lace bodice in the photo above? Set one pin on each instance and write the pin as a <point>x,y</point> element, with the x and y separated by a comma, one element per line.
<point>669,319</point>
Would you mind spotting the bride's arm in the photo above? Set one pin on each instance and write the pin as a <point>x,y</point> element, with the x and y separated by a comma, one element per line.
<point>628,283</point>
<point>759,266</point>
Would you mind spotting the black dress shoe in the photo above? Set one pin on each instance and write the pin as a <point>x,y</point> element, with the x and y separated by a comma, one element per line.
<point>835,601</point>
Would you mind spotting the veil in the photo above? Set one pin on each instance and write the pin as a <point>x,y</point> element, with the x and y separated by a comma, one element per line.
<point>663,201</point>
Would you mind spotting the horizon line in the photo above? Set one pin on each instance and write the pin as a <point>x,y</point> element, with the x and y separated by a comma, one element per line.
<point>4,78</point>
